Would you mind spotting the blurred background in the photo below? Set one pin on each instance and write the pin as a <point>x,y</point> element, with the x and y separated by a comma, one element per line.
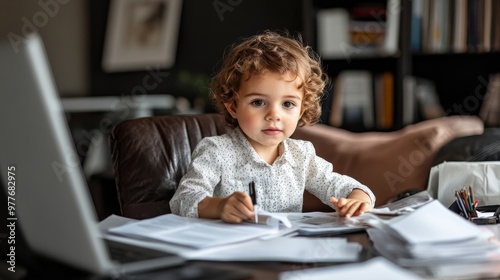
<point>74,33</point>
<point>392,62</point>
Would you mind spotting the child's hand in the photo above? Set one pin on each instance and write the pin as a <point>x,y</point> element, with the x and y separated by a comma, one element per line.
<point>236,208</point>
<point>357,203</point>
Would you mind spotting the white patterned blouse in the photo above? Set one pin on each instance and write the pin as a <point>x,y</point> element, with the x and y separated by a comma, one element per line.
<point>222,165</point>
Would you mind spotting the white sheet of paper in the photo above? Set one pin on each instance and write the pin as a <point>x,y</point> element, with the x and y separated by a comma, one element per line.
<point>321,223</point>
<point>405,205</point>
<point>433,223</point>
<point>292,249</point>
<point>373,269</point>
<point>197,233</point>
<point>272,219</point>
<point>474,250</point>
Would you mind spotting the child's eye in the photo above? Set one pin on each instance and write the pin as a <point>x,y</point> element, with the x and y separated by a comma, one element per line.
<point>258,102</point>
<point>288,104</point>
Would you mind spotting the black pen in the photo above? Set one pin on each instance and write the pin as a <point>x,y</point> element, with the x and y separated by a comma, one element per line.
<point>253,196</point>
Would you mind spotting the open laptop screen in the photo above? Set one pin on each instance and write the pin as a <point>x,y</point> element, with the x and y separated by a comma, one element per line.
<point>38,164</point>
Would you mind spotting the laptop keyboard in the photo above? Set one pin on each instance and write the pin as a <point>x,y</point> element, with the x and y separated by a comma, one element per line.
<point>126,253</point>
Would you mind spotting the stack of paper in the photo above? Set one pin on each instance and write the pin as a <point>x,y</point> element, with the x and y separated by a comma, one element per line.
<point>191,232</point>
<point>205,233</point>
<point>214,240</point>
<point>433,236</point>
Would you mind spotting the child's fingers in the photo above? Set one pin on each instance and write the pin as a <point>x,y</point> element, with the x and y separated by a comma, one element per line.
<point>232,215</point>
<point>365,207</point>
<point>339,202</point>
<point>346,207</point>
<point>352,209</point>
<point>236,208</point>
<point>230,218</point>
<point>357,208</point>
<point>334,201</point>
<point>244,198</point>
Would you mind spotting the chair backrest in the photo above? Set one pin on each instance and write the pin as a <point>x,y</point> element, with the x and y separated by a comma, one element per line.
<point>150,156</point>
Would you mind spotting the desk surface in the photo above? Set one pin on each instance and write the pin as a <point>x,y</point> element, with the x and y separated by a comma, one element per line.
<point>35,267</point>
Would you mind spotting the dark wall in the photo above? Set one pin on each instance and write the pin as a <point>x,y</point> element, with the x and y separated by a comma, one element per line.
<point>204,34</point>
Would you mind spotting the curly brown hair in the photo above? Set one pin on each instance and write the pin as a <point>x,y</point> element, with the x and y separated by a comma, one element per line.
<point>277,53</point>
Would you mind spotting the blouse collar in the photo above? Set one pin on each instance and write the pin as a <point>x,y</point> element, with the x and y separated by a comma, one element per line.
<point>284,153</point>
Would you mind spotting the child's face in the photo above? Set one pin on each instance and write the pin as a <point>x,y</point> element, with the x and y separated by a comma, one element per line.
<point>268,109</point>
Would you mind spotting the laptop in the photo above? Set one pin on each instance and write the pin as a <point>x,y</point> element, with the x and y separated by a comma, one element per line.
<point>41,172</point>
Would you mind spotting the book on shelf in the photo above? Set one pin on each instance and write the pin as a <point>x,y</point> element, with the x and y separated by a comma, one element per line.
<point>363,99</point>
<point>471,26</point>
<point>455,26</point>
<point>352,102</point>
<point>378,88</point>
<point>416,25</point>
<point>495,24</point>
<point>425,30</point>
<point>427,98</point>
<point>393,13</point>
<point>439,26</point>
<point>365,35</point>
<point>485,45</point>
<point>367,29</point>
<point>335,117</point>
<point>409,104</point>
<point>459,37</point>
<point>333,32</point>
<point>384,100</point>
<point>388,112</point>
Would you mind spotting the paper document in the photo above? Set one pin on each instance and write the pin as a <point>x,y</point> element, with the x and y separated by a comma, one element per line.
<point>312,223</point>
<point>432,239</point>
<point>287,249</point>
<point>373,269</point>
<point>272,219</point>
<point>405,205</point>
<point>193,232</point>
<point>433,223</point>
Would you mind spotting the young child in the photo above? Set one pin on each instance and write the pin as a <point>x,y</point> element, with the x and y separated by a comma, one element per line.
<point>268,85</point>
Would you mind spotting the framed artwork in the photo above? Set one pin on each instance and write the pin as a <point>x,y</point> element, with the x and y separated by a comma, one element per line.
<point>141,33</point>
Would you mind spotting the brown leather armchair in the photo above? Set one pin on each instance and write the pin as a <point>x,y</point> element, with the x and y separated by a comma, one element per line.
<point>150,155</point>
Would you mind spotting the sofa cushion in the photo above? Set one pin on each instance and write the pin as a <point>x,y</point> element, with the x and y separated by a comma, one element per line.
<point>389,163</point>
<point>484,147</point>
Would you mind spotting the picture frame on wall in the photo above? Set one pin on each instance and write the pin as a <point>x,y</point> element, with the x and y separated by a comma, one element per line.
<point>141,34</point>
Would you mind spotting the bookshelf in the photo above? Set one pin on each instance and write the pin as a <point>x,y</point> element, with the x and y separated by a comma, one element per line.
<point>460,52</point>
<point>433,46</point>
<point>371,47</point>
